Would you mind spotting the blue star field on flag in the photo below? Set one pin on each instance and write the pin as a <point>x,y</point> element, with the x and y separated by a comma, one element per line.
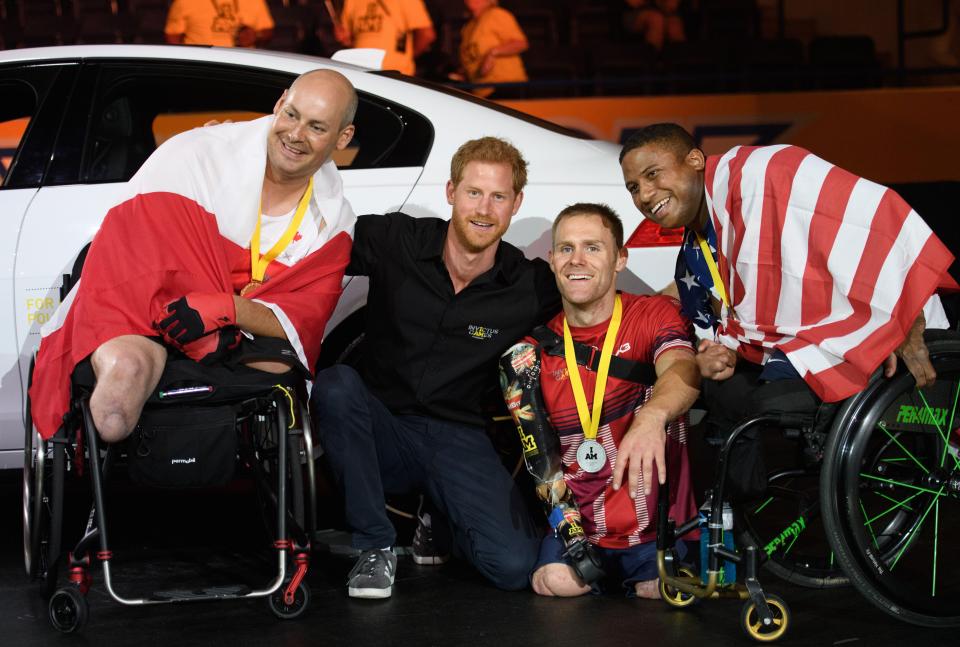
<point>694,282</point>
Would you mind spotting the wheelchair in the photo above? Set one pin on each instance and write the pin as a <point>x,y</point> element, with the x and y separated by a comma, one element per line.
<point>889,469</point>
<point>227,420</point>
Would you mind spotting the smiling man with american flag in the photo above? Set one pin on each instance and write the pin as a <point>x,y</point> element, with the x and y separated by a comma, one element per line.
<point>798,268</point>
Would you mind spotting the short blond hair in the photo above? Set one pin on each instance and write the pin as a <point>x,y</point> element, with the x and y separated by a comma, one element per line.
<point>493,150</point>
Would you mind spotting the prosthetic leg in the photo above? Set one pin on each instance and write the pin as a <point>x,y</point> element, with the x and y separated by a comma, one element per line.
<point>520,382</point>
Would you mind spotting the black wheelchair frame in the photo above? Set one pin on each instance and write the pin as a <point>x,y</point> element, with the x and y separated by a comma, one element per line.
<point>886,465</point>
<point>276,458</point>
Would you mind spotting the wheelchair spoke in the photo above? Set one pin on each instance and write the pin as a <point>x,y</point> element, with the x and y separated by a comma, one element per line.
<point>763,505</point>
<point>900,483</point>
<point>897,505</point>
<point>916,529</point>
<point>900,503</point>
<point>883,426</point>
<point>936,542</point>
<point>944,435</point>
<point>792,542</point>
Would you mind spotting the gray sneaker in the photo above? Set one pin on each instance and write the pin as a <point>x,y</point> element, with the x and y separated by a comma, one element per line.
<point>424,549</point>
<point>372,576</point>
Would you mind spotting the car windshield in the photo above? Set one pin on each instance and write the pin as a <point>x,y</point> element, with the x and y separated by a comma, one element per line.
<point>466,96</point>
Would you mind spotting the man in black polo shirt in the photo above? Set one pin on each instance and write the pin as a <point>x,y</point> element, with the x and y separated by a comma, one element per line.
<point>446,299</point>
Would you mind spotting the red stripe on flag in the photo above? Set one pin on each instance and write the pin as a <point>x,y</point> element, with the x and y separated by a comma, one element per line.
<point>778,182</point>
<point>824,225</point>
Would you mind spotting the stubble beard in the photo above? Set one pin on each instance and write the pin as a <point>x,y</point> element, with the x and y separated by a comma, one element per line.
<point>473,241</point>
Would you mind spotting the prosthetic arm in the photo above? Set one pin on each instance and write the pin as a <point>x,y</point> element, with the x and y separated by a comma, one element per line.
<point>520,382</point>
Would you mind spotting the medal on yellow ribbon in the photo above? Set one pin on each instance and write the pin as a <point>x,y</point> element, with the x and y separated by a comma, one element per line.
<point>258,262</point>
<point>591,455</point>
<point>714,271</point>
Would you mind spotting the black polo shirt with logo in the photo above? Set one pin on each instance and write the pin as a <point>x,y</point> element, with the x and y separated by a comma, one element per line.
<point>428,351</point>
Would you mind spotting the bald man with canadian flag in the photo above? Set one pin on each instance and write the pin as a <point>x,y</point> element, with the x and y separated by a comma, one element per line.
<point>228,245</point>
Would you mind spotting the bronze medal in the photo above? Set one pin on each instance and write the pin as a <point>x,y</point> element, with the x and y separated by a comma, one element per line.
<point>250,287</point>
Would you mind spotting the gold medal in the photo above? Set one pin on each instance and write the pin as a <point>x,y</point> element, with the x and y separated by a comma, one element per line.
<point>250,287</point>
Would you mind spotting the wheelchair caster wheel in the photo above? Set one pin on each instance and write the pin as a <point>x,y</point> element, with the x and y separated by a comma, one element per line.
<point>674,597</point>
<point>750,620</point>
<point>284,611</point>
<point>69,610</point>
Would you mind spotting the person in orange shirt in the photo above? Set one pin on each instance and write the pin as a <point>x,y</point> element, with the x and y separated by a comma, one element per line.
<point>656,21</point>
<point>225,23</point>
<point>491,44</point>
<point>402,28</point>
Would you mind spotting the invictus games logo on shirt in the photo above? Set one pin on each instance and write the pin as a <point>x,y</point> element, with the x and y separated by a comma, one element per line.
<point>482,332</point>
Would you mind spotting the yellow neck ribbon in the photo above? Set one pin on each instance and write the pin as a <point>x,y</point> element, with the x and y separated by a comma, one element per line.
<point>714,271</point>
<point>591,423</point>
<point>258,263</point>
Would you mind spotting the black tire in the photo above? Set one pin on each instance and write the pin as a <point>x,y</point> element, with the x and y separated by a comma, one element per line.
<point>68,610</point>
<point>786,528</point>
<point>750,620</point>
<point>890,491</point>
<point>284,611</point>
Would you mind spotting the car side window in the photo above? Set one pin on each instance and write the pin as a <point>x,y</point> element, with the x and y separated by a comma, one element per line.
<point>139,106</point>
<point>16,110</point>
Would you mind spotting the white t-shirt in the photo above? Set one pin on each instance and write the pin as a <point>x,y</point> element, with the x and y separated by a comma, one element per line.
<point>273,227</point>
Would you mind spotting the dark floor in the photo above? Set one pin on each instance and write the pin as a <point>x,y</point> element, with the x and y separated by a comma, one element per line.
<point>448,605</point>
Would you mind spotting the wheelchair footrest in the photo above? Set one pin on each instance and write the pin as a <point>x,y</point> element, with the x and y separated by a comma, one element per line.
<point>212,593</point>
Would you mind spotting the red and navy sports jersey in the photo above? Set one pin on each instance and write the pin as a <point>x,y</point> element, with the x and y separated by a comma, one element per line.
<point>651,326</point>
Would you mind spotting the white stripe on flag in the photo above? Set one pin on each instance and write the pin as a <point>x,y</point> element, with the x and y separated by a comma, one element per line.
<point>804,193</point>
<point>849,246</point>
<point>752,193</point>
<point>812,359</point>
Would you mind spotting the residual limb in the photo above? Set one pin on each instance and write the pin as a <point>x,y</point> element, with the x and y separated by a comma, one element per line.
<point>520,381</point>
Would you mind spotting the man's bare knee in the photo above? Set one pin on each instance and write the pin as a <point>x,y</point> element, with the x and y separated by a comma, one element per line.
<point>128,369</point>
<point>557,580</point>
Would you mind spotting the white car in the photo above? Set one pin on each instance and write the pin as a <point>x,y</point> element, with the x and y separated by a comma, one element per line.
<point>76,122</point>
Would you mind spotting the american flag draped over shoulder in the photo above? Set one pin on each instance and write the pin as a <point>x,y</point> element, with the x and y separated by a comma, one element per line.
<point>827,267</point>
<point>184,222</point>
<point>694,282</point>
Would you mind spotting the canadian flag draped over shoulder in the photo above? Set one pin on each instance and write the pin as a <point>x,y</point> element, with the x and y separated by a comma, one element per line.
<point>184,219</point>
<point>827,267</point>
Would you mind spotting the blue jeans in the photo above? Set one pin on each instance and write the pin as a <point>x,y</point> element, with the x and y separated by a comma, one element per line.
<point>372,452</point>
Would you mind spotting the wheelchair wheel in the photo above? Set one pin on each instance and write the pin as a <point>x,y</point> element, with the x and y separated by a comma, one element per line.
<point>284,611</point>
<point>42,504</point>
<point>890,491</point>
<point>68,610</point>
<point>750,619</point>
<point>786,527</point>
<point>34,468</point>
<point>674,597</point>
